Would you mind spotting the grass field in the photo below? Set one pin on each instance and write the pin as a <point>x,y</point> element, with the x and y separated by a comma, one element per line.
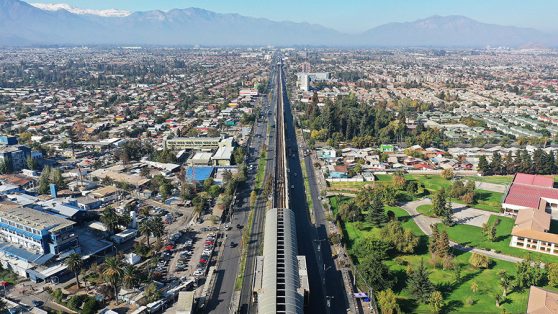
<point>309,201</point>
<point>472,236</point>
<point>348,185</point>
<point>426,210</point>
<point>486,200</point>
<point>455,292</point>
<point>261,170</point>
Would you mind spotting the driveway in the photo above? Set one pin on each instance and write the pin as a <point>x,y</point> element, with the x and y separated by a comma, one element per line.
<point>469,215</point>
<point>492,187</point>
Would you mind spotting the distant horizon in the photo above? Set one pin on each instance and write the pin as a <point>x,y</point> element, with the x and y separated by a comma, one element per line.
<point>360,16</point>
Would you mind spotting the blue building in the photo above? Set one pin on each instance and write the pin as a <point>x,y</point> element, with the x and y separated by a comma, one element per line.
<point>37,232</point>
<point>198,174</point>
<point>8,140</point>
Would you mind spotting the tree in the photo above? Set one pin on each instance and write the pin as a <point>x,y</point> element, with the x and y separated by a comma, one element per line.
<point>376,215</point>
<point>157,227</point>
<point>447,174</point>
<point>90,306</point>
<point>419,284</point>
<point>3,166</point>
<point>402,240</point>
<point>145,229</point>
<point>474,287</point>
<point>152,293</point>
<point>388,302</point>
<point>129,276</point>
<point>552,269</point>
<point>489,231</point>
<point>74,264</point>
<point>439,202</point>
<point>164,192</point>
<point>348,211</point>
<point>496,163</point>
<point>479,261</point>
<point>370,245</point>
<point>376,273</point>
<point>109,218</point>
<point>44,181</point>
<point>31,163</point>
<point>442,245</point>
<point>56,178</point>
<point>498,298</point>
<point>484,167</point>
<point>505,282</point>
<point>436,301</point>
<point>112,273</point>
<point>527,275</point>
<point>399,181</point>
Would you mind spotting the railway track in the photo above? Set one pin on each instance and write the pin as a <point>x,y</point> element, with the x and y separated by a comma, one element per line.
<point>281,187</point>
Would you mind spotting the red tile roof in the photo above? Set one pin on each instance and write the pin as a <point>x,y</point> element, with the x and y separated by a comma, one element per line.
<point>533,179</point>
<point>527,190</point>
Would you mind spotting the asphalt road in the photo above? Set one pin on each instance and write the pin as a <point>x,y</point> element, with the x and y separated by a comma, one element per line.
<point>228,265</point>
<point>257,232</point>
<point>308,235</point>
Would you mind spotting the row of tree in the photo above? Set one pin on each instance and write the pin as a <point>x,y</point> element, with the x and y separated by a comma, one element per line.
<point>540,162</point>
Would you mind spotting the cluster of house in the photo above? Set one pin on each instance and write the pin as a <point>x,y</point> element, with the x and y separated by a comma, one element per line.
<point>342,164</point>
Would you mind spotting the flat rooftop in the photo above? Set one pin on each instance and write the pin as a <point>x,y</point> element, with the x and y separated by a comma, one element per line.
<point>33,218</point>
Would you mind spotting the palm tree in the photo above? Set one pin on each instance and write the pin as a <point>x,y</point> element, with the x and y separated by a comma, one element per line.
<point>74,264</point>
<point>113,273</point>
<point>157,227</point>
<point>505,283</point>
<point>145,230</point>
<point>129,276</point>
<point>109,218</point>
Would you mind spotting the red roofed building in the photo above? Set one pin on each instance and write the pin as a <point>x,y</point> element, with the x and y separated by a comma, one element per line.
<point>532,191</point>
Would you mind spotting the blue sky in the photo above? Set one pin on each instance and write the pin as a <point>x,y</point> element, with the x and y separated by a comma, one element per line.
<point>355,15</point>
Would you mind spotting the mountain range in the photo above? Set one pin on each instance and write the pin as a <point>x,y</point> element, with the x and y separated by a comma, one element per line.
<point>23,24</point>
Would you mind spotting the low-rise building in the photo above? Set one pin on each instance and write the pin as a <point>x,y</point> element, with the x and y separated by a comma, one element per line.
<point>542,301</point>
<point>531,232</point>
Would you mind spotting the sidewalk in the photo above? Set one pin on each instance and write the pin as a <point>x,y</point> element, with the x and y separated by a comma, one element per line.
<point>424,222</point>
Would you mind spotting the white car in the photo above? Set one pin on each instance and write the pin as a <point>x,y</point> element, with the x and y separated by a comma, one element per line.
<point>198,272</point>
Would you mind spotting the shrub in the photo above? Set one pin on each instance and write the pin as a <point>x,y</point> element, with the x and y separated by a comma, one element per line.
<point>479,261</point>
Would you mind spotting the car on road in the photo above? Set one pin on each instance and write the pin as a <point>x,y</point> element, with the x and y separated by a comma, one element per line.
<point>37,303</point>
<point>238,226</point>
<point>232,244</point>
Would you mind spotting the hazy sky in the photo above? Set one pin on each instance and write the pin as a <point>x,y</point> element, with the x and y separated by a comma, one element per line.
<point>355,15</point>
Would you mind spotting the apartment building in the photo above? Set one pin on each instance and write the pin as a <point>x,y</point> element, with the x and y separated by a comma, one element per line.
<point>181,143</point>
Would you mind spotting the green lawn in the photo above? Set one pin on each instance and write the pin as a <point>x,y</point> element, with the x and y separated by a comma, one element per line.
<point>485,200</point>
<point>431,182</point>
<point>472,236</point>
<point>384,177</point>
<point>348,185</point>
<point>455,293</point>
<point>261,170</point>
<point>354,230</point>
<point>426,210</point>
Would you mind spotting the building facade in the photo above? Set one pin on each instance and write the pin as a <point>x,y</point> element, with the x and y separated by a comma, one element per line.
<point>36,231</point>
